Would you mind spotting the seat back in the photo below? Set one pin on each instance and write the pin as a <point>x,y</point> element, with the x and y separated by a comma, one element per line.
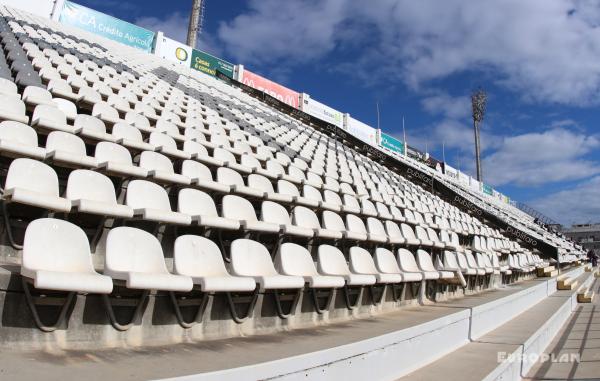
<point>361,261</point>
<point>306,218</point>
<point>158,139</point>
<point>125,131</point>
<point>331,261</point>
<point>393,230</point>
<point>145,194</point>
<point>228,176</point>
<point>433,235</point>
<point>32,175</point>
<point>407,231</point>
<point>63,141</point>
<point>154,161</point>
<point>406,261</point>
<point>260,182</point>
<point>333,221</point>
<point>368,206</point>
<point>385,261</point>
<point>137,120</point>
<point>131,249</point>
<point>375,226</point>
<point>355,224</point>
<point>18,132</point>
<point>56,245</point>
<point>90,185</point>
<point>274,213</point>
<point>287,188</point>
<point>450,261</point>
<point>424,260</point>
<point>250,258</point>
<point>90,123</point>
<point>166,127</point>
<point>195,202</point>
<point>112,152</point>
<point>238,208</point>
<point>293,259</point>
<point>197,256</point>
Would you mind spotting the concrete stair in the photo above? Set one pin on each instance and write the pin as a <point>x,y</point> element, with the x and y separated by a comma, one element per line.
<point>547,272</point>
<point>585,295</point>
<point>564,282</point>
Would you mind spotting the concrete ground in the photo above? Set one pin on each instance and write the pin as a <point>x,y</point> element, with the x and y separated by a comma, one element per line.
<point>193,358</point>
<point>576,348</point>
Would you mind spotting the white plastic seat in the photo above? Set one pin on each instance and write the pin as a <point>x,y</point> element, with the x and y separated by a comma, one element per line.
<point>93,193</point>
<point>50,118</point>
<point>92,128</point>
<point>240,209</point>
<point>18,139</point>
<point>34,183</point>
<point>252,259</point>
<point>361,262</point>
<point>130,137</point>
<point>433,236</point>
<point>409,235</point>
<point>276,214</point>
<point>228,176</point>
<point>293,259</point>
<point>151,202</point>
<point>68,149</point>
<point>67,107</point>
<point>12,108</point>
<point>201,207</point>
<point>136,258</point>
<point>287,188</point>
<point>200,176</point>
<point>200,259</point>
<point>394,233</point>
<point>376,231</point>
<point>408,264</point>
<point>263,184</point>
<point>473,263</point>
<point>167,145</point>
<point>229,160</point>
<point>106,112</point>
<point>199,153</point>
<point>34,96</point>
<point>425,263</point>
<point>116,160</point>
<point>331,262</point>
<point>56,256</point>
<point>160,168</point>
<point>306,218</point>
<point>386,263</point>
<point>355,228</point>
<point>311,193</point>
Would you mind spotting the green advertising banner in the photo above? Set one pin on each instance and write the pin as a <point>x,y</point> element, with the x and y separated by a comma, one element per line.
<point>208,64</point>
<point>391,143</point>
<point>487,189</point>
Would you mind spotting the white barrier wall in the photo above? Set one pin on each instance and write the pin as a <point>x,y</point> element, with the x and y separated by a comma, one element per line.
<point>321,111</point>
<point>42,8</point>
<point>360,130</point>
<point>172,50</point>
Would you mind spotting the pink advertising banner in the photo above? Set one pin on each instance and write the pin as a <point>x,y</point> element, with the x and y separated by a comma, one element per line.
<point>273,89</point>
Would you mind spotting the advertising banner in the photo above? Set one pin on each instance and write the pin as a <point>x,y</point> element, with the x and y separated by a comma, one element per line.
<point>450,172</point>
<point>209,64</point>
<point>391,143</point>
<point>271,88</point>
<point>173,50</point>
<point>474,184</point>
<point>361,130</point>
<point>321,111</point>
<point>487,189</point>
<point>463,178</point>
<point>106,26</point>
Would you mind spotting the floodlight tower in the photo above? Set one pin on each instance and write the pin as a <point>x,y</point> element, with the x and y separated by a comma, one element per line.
<point>196,19</point>
<point>478,103</point>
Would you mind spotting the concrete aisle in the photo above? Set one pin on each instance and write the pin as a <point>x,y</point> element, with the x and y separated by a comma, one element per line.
<point>579,338</point>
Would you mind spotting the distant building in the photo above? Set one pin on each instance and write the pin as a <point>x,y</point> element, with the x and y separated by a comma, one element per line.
<point>588,235</point>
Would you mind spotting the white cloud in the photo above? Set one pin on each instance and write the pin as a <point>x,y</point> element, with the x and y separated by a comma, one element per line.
<point>175,26</point>
<point>544,50</point>
<point>450,107</point>
<point>534,159</point>
<point>580,204</point>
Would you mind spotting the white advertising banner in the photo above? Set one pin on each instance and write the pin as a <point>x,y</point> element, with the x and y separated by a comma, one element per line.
<point>321,111</point>
<point>173,50</point>
<point>360,130</point>
<point>450,172</point>
<point>474,185</point>
<point>463,178</point>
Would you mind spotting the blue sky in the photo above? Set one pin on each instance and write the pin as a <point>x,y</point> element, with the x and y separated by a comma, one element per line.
<point>538,60</point>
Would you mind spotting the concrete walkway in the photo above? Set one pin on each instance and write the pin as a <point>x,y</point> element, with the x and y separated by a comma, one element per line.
<point>576,349</point>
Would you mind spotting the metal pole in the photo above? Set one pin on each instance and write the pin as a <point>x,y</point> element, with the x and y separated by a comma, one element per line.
<point>194,23</point>
<point>404,133</point>
<point>378,115</point>
<point>477,152</point>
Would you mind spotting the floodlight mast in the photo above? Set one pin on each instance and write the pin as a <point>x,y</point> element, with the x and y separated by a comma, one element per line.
<point>195,25</point>
<point>478,103</point>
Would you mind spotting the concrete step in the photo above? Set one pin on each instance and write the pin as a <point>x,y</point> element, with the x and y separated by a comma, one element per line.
<point>547,271</point>
<point>566,284</point>
<point>510,351</point>
<point>585,295</point>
